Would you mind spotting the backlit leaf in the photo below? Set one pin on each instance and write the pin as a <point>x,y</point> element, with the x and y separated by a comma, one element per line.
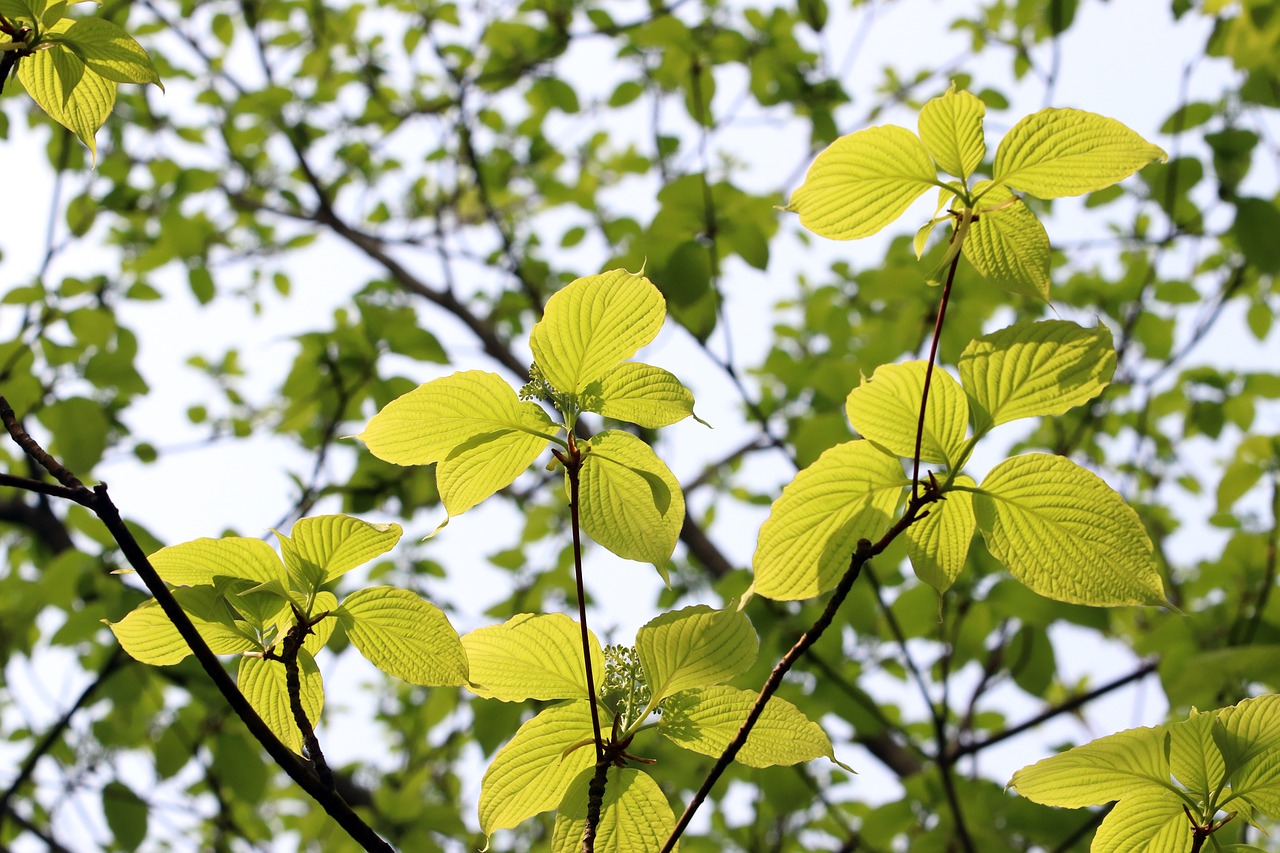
<point>1035,369</point>
<point>1194,757</point>
<point>149,636</point>
<point>325,602</point>
<point>75,97</point>
<point>1062,152</point>
<point>814,526</point>
<point>531,774</point>
<point>951,129</point>
<point>862,182</point>
<point>532,657</point>
<point>202,560</point>
<point>631,503</point>
<point>111,52</point>
<point>593,324</point>
<point>1063,532</point>
<point>635,816</point>
<point>1007,244</point>
<point>404,636</point>
<point>1249,739</point>
<point>1147,821</point>
<point>885,409</point>
<point>1100,771</point>
<point>323,548</point>
<point>263,684</point>
<point>695,647</point>
<point>641,394</point>
<point>706,719</point>
<point>938,544</point>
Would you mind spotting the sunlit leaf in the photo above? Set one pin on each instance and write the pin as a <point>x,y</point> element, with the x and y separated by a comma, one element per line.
<point>1194,757</point>
<point>149,636</point>
<point>404,636</point>
<point>951,129</point>
<point>532,657</point>
<point>695,647</point>
<point>325,602</point>
<point>1100,771</point>
<point>635,816</point>
<point>202,560</point>
<point>938,544</point>
<point>1008,245</point>
<point>1249,739</point>
<point>110,51</point>
<point>631,503</point>
<point>263,683</point>
<point>323,548</point>
<point>885,409</point>
<point>641,394</point>
<point>1150,821</point>
<point>75,97</point>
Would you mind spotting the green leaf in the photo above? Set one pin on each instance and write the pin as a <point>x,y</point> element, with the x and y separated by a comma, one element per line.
<point>1007,244</point>
<point>1098,772</point>
<point>706,719</point>
<point>1033,369</point>
<point>110,51</point>
<point>862,182</point>
<point>80,427</point>
<point>1249,739</point>
<point>532,657</point>
<point>631,503</point>
<point>148,635</point>
<point>593,324</point>
<point>126,815</point>
<point>695,647</point>
<point>951,129</point>
<point>1058,152</point>
<point>324,601</point>
<point>75,97</point>
<point>885,409</point>
<point>635,816</point>
<point>404,636</point>
<point>321,549</point>
<point>938,544</point>
<point>263,684</point>
<point>814,526</point>
<point>472,424</point>
<point>1194,757</point>
<point>531,774</point>
<point>1064,533</point>
<point>641,394</point>
<point>202,560</point>
<point>1150,821</point>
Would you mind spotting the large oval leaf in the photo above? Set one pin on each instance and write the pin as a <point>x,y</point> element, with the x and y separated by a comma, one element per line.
<point>1064,533</point>
<point>1099,771</point>
<point>321,549</point>
<point>951,129</point>
<point>149,636</point>
<point>806,543</point>
<point>74,96</point>
<point>1007,244</point>
<point>641,394</point>
<point>862,182</point>
<point>635,816</point>
<point>885,409</point>
<point>202,560</point>
<point>404,636</point>
<point>695,647</point>
<point>705,720</point>
<point>631,503</point>
<point>532,657</point>
<point>263,684</point>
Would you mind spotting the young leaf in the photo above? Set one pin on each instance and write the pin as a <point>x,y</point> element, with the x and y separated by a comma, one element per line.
<point>1100,771</point>
<point>1064,533</point>
<point>1249,739</point>
<point>321,549</point>
<point>263,683</point>
<point>695,647</point>
<point>885,409</point>
<point>1033,369</point>
<point>1007,244</point>
<point>149,636</point>
<point>75,97</point>
<point>1147,820</point>
<point>640,394</point>
<point>531,657</point>
<point>862,182</point>
<point>635,816</point>
<point>631,503</point>
<point>531,774</point>
<point>951,129</point>
<point>805,544</point>
<point>1057,152</point>
<point>472,424</point>
<point>1194,757</point>
<point>706,719</point>
<point>202,560</point>
<point>593,324</point>
<point>324,602</point>
<point>110,51</point>
<point>404,636</point>
<point>938,544</point>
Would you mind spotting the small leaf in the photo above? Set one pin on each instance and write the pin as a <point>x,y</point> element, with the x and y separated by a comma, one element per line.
<point>263,684</point>
<point>1064,533</point>
<point>1058,152</point>
<point>862,182</point>
<point>593,324</point>
<point>695,647</point>
<point>1034,369</point>
<point>1098,772</point>
<point>640,394</point>
<point>323,548</point>
<point>951,129</point>
<point>531,774</point>
<point>814,526</point>
<point>885,409</point>
<point>126,815</point>
<point>532,657</point>
<point>1007,245</point>
<point>938,544</point>
<point>110,51</point>
<point>404,636</point>
<point>705,720</point>
<point>202,560</point>
<point>631,503</point>
<point>75,97</point>
<point>635,816</point>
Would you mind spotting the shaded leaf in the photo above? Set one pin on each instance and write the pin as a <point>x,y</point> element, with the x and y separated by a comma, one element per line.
<point>263,684</point>
<point>1007,244</point>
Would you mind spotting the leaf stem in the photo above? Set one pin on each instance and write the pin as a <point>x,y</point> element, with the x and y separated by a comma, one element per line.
<point>928,372</point>
<point>290,646</point>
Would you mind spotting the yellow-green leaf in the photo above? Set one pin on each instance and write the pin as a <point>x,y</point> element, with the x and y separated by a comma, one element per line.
<point>862,182</point>
<point>1064,533</point>
<point>631,503</point>
<point>324,602</point>
<point>110,51</point>
<point>1060,152</point>
<point>532,657</point>
<point>593,324</point>
<point>806,543</point>
<point>1194,757</point>
<point>1098,772</point>
<point>202,560</point>
<point>635,816</point>
<point>695,647</point>
<point>531,774</point>
<point>938,544</point>
<point>706,719</point>
<point>76,97</point>
<point>263,684</point>
<point>951,129</point>
<point>404,636</point>
<point>1146,821</point>
<point>1033,369</point>
<point>321,549</point>
<point>1249,740</point>
<point>472,424</point>
<point>641,394</point>
<point>885,409</point>
<point>148,635</point>
<point>1007,244</point>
